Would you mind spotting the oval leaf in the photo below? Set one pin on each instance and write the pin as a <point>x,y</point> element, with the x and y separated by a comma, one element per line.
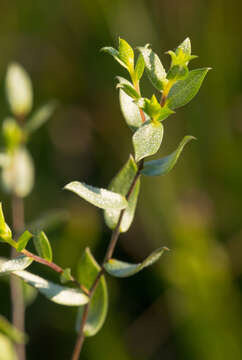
<point>154,68</point>
<point>130,111</point>
<point>7,349</point>
<point>126,54</point>
<point>40,117</point>
<point>19,263</point>
<point>139,67</point>
<point>18,175</point>
<point>184,90</point>
<point>19,90</point>
<point>58,294</point>
<point>164,165</point>
<point>88,270</point>
<point>101,198</point>
<point>122,269</point>
<point>147,139</point>
<point>42,246</point>
<point>121,184</point>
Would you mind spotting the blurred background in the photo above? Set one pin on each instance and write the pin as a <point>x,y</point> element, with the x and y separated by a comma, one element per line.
<point>188,305</point>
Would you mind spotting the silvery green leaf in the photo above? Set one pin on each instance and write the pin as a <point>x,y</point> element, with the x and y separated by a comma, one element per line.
<point>130,111</point>
<point>147,139</point>
<point>121,184</point>
<point>19,263</point>
<point>66,276</point>
<point>154,67</point>
<point>101,198</point>
<point>40,117</point>
<point>113,52</point>
<point>184,91</point>
<point>18,175</point>
<point>88,270</point>
<point>186,46</point>
<point>122,269</point>
<point>59,294</point>
<point>19,90</point>
<point>127,87</point>
<point>42,246</point>
<point>164,165</point>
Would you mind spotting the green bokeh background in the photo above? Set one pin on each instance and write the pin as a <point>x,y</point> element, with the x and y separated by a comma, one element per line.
<point>188,306</point>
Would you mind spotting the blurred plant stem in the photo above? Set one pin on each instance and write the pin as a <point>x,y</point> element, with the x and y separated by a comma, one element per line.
<point>109,253</point>
<point>18,309</point>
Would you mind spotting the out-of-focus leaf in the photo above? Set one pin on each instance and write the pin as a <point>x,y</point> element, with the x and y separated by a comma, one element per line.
<point>19,263</point>
<point>126,54</point>
<point>23,240</point>
<point>12,134</point>
<point>11,332</point>
<point>49,220</point>
<point>18,175</point>
<point>154,68</point>
<point>184,90</point>
<point>58,294</point>
<point>40,117</point>
<point>121,184</point>
<point>66,276</point>
<point>19,90</point>
<point>101,198</point>
<point>7,349</point>
<point>147,139</point>
<point>42,246</point>
<point>130,111</point>
<point>88,270</point>
<point>139,67</point>
<point>5,231</point>
<point>127,87</point>
<point>29,294</point>
<point>164,165</point>
<point>121,269</point>
<point>4,160</point>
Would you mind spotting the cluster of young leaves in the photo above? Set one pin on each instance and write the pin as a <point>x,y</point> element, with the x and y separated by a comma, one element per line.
<point>17,174</point>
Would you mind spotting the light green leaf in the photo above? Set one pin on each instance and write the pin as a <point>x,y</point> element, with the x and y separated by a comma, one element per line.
<point>18,175</point>
<point>130,111</point>
<point>101,198</point>
<point>19,90</point>
<point>42,246</point>
<point>184,90</point>
<point>121,184</point>
<point>7,349</point>
<point>127,87</point>
<point>23,240</point>
<point>88,270</point>
<point>5,231</point>
<point>66,276</point>
<point>147,139</point>
<point>139,67</point>
<point>19,263</point>
<point>153,109</point>
<point>154,68</point>
<point>115,54</point>
<point>122,269</point>
<point>12,133</point>
<point>11,332</point>
<point>29,294</point>
<point>126,54</point>
<point>164,165</point>
<point>40,117</point>
<point>58,294</point>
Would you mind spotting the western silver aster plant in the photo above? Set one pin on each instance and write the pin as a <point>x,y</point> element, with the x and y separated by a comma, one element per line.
<point>144,116</point>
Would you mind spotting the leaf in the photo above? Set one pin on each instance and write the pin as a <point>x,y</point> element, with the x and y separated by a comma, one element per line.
<point>7,349</point>
<point>12,133</point>
<point>66,276</point>
<point>127,87</point>
<point>115,54</point>
<point>5,231</point>
<point>164,165</point>
<point>40,117</point>
<point>101,198</point>
<point>29,294</point>
<point>23,240</point>
<point>18,175</point>
<point>19,90</point>
<point>154,68</point>
<point>139,67</point>
<point>147,139</point>
<point>130,111</point>
<point>186,46</point>
<point>42,246</point>
<point>122,269</point>
<point>11,331</point>
<point>153,109</point>
<point>121,184</point>
<point>126,54</point>
<point>184,90</point>
<point>48,220</point>
<point>58,294</point>
<point>19,263</point>
<point>88,270</point>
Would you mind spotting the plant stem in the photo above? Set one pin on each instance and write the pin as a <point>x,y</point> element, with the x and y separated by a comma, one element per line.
<point>18,310</point>
<point>109,253</point>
